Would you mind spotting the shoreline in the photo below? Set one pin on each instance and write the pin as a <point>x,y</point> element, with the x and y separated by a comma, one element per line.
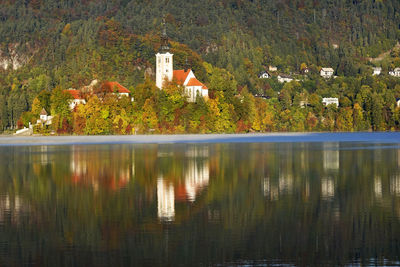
<point>369,137</point>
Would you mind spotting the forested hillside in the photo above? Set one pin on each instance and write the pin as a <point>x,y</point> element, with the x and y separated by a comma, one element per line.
<point>62,44</point>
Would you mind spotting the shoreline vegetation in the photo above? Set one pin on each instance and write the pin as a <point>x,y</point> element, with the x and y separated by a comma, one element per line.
<point>363,137</point>
<point>93,72</point>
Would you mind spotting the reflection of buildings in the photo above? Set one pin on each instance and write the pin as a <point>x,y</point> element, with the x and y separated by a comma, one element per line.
<point>196,178</point>
<point>43,155</point>
<point>331,156</point>
<point>285,181</point>
<point>165,200</point>
<point>197,152</point>
<point>270,190</point>
<point>398,157</point>
<point>327,187</point>
<point>395,185</point>
<point>196,175</point>
<point>12,208</point>
<point>94,168</point>
<point>378,186</point>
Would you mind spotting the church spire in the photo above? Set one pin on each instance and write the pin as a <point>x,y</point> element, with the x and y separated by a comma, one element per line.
<point>164,38</point>
<point>187,65</point>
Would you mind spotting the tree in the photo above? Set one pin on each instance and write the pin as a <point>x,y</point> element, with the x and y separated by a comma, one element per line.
<point>221,80</point>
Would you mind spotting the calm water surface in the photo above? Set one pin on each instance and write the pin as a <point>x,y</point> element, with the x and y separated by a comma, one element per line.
<point>237,204</point>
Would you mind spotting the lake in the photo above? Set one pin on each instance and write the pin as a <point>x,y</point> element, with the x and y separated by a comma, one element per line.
<point>330,199</point>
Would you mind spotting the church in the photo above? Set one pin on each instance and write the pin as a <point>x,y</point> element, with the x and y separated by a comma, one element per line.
<point>165,72</point>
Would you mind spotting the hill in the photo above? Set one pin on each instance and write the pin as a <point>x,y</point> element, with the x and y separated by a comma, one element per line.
<point>62,44</point>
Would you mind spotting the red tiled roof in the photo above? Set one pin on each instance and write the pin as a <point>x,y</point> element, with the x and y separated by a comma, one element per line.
<point>181,75</point>
<point>111,86</point>
<point>195,82</point>
<point>75,93</point>
<point>180,192</point>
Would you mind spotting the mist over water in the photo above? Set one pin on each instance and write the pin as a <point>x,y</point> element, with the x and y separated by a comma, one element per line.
<point>303,203</point>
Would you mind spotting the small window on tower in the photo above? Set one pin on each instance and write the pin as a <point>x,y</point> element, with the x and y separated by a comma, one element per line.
<point>159,60</point>
<point>167,60</point>
<point>166,70</point>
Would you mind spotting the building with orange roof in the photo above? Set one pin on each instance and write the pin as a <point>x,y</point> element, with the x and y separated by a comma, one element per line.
<point>76,98</point>
<point>115,88</point>
<point>185,77</point>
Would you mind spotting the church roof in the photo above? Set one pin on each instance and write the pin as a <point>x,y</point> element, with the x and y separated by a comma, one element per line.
<point>111,86</point>
<point>74,93</point>
<point>43,112</point>
<point>195,82</point>
<point>181,75</point>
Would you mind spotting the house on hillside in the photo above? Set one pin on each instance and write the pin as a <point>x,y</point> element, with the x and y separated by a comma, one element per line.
<point>395,72</point>
<point>376,70</point>
<point>305,71</point>
<point>283,78</point>
<point>115,88</point>
<point>272,68</point>
<point>76,98</point>
<point>326,72</point>
<point>398,102</point>
<point>43,115</point>
<point>264,75</point>
<point>44,118</point>
<point>185,77</point>
<point>330,100</point>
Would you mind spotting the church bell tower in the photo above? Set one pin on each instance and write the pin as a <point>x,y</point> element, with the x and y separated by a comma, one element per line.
<point>164,63</point>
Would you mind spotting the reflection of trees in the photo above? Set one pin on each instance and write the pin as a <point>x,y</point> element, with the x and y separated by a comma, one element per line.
<point>109,168</point>
<point>262,201</point>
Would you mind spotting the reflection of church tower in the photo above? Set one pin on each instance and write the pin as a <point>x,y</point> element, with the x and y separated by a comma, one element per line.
<point>164,66</point>
<point>165,200</point>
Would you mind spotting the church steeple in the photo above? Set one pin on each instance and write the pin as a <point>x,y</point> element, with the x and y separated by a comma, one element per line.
<point>187,65</point>
<point>164,63</point>
<point>164,38</point>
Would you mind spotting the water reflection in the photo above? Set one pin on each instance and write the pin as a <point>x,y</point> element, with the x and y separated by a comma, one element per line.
<point>165,200</point>
<point>101,168</point>
<point>12,208</point>
<point>331,156</point>
<point>293,203</point>
<point>327,188</point>
<point>378,187</point>
<point>395,185</point>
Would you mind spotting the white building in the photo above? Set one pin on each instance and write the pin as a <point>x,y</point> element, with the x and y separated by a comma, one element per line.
<point>272,68</point>
<point>376,70</point>
<point>76,98</point>
<point>283,78</point>
<point>398,102</point>
<point>264,75</point>
<point>305,71</point>
<point>185,77</point>
<point>164,70</point>
<point>330,100</point>
<point>44,118</point>
<point>193,87</point>
<point>326,72</point>
<point>395,72</point>
<point>43,115</point>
